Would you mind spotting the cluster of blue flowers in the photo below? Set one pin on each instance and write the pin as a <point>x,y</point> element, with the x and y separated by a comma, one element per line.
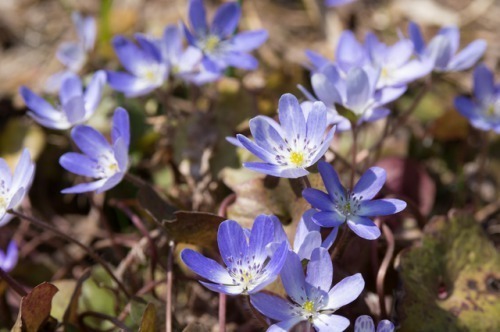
<point>354,89</point>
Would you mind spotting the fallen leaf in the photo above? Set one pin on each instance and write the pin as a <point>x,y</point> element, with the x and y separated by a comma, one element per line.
<point>148,322</point>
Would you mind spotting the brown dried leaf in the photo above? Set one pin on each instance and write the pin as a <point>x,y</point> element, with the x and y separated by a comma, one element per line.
<point>148,322</point>
<point>35,308</point>
<point>198,228</point>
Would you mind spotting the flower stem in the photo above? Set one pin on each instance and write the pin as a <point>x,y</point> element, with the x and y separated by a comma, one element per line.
<point>12,283</point>
<point>90,252</point>
<point>482,158</point>
<point>170,282</point>
<point>341,244</point>
<point>255,313</point>
<point>354,154</point>
<point>305,180</point>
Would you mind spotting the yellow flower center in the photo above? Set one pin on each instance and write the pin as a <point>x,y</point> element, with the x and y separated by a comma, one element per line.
<point>491,110</point>
<point>150,75</point>
<point>308,307</point>
<point>113,167</point>
<point>211,43</point>
<point>3,202</point>
<point>297,158</point>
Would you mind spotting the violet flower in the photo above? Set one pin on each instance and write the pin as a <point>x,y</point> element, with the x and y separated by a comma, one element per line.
<point>248,267</point>
<point>311,297</point>
<point>220,45</point>
<point>73,55</point>
<point>442,49</point>
<point>13,187</point>
<point>101,160</point>
<point>483,110</point>
<point>364,323</point>
<point>144,63</point>
<point>354,207</point>
<point>288,148</point>
<point>76,105</point>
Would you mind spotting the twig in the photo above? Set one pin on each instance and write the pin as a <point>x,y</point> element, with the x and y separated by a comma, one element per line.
<point>90,252</point>
<point>383,268</point>
<point>113,320</point>
<point>170,282</point>
<point>13,283</point>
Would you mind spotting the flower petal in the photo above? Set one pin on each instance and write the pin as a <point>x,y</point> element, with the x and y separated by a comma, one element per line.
<point>272,306</point>
<point>248,40</point>
<point>484,83</point>
<point>292,277</point>
<point>225,289</point>
<point>380,207</point>
<point>130,85</point>
<point>320,270</point>
<point>273,268</point>
<point>316,123</point>
<point>328,323</point>
<point>329,219</point>
<point>285,325</point>
<point>364,323</point>
<point>292,118</point>
<point>318,199</point>
<point>206,267</point>
<point>416,37</point>
<point>38,105</point>
<point>385,326</point>
<point>331,180</point>
<point>226,19</point>
<point>467,57</point>
<point>254,148</point>
<point>346,291</point>
<point>262,234</point>
<point>80,164</point>
<point>276,170</point>
<point>71,87</point>
<point>84,187</point>
<point>92,95</point>
<point>370,183</point>
<point>121,126</point>
<point>233,244</point>
<point>197,16</point>
<point>90,141</point>
<point>363,227</point>
<point>130,55</point>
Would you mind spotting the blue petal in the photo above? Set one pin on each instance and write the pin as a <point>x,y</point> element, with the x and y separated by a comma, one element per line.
<point>72,55</point>
<point>75,110</point>
<point>468,56</point>
<point>258,151</point>
<point>292,277</point>
<point>262,234</point>
<point>149,46</point>
<point>292,118</point>
<point>267,134</point>
<point>452,34</point>
<point>358,90</point>
<point>331,180</point>
<point>349,51</point>
<point>411,71</point>
<point>374,114</point>
<point>326,84</point>
<point>305,226</point>
<point>327,323</point>
<point>416,38</point>
<point>240,60</point>
<point>316,123</point>
<point>439,50</point>
<point>320,270</point>
<point>86,28</point>
<point>225,289</point>
<point>370,183</point>
<point>380,207</point>
<point>24,172</point>
<point>90,141</point>
<point>329,219</point>
<point>130,55</point>
<point>197,16</point>
<point>312,240</point>
<point>233,244</point>
<point>272,306</point>
<point>346,291</point>
<point>484,83</point>
<point>172,42</point>
<point>121,126</point>
<point>39,105</point>
<point>285,325</point>
<point>53,83</point>
<point>385,326</point>
<point>248,40</point>
<point>79,164</point>
<point>84,187</point>
<point>93,92</point>
<point>273,268</point>
<point>330,239</point>
<point>274,170</point>
<point>466,107</point>
<point>71,87</point>
<point>5,173</point>
<point>130,85</point>
<point>317,60</point>
<point>206,267</point>
<point>320,152</point>
<point>363,227</point>
<point>364,323</point>
<point>9,261</point>
<point>337,3</point>
<point>318,199</point>
<point>111,182</point>
<point>120,151</point>
<point>399,53</point>
<point>226,20</point>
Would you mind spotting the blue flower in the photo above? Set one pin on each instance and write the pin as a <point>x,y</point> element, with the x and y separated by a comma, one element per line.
<point>354,207</point>
<point>72,54</point>
<point>248,266</point>
<point>13,187</point>
<point>483,110</point>
<point>287,150</point>
<point>337,3</point>
<point>220,46</point>
<point>76,106</point>
<point>364,323</point>
<point>307,236</point>
<point>355,91</point>
<point>100,160</point>
<point>183,63</point>
<point>311,297</point>
<point>442,49</point>
<point>8,259</point>
<point>144,62</point>
<point>397,69</point>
